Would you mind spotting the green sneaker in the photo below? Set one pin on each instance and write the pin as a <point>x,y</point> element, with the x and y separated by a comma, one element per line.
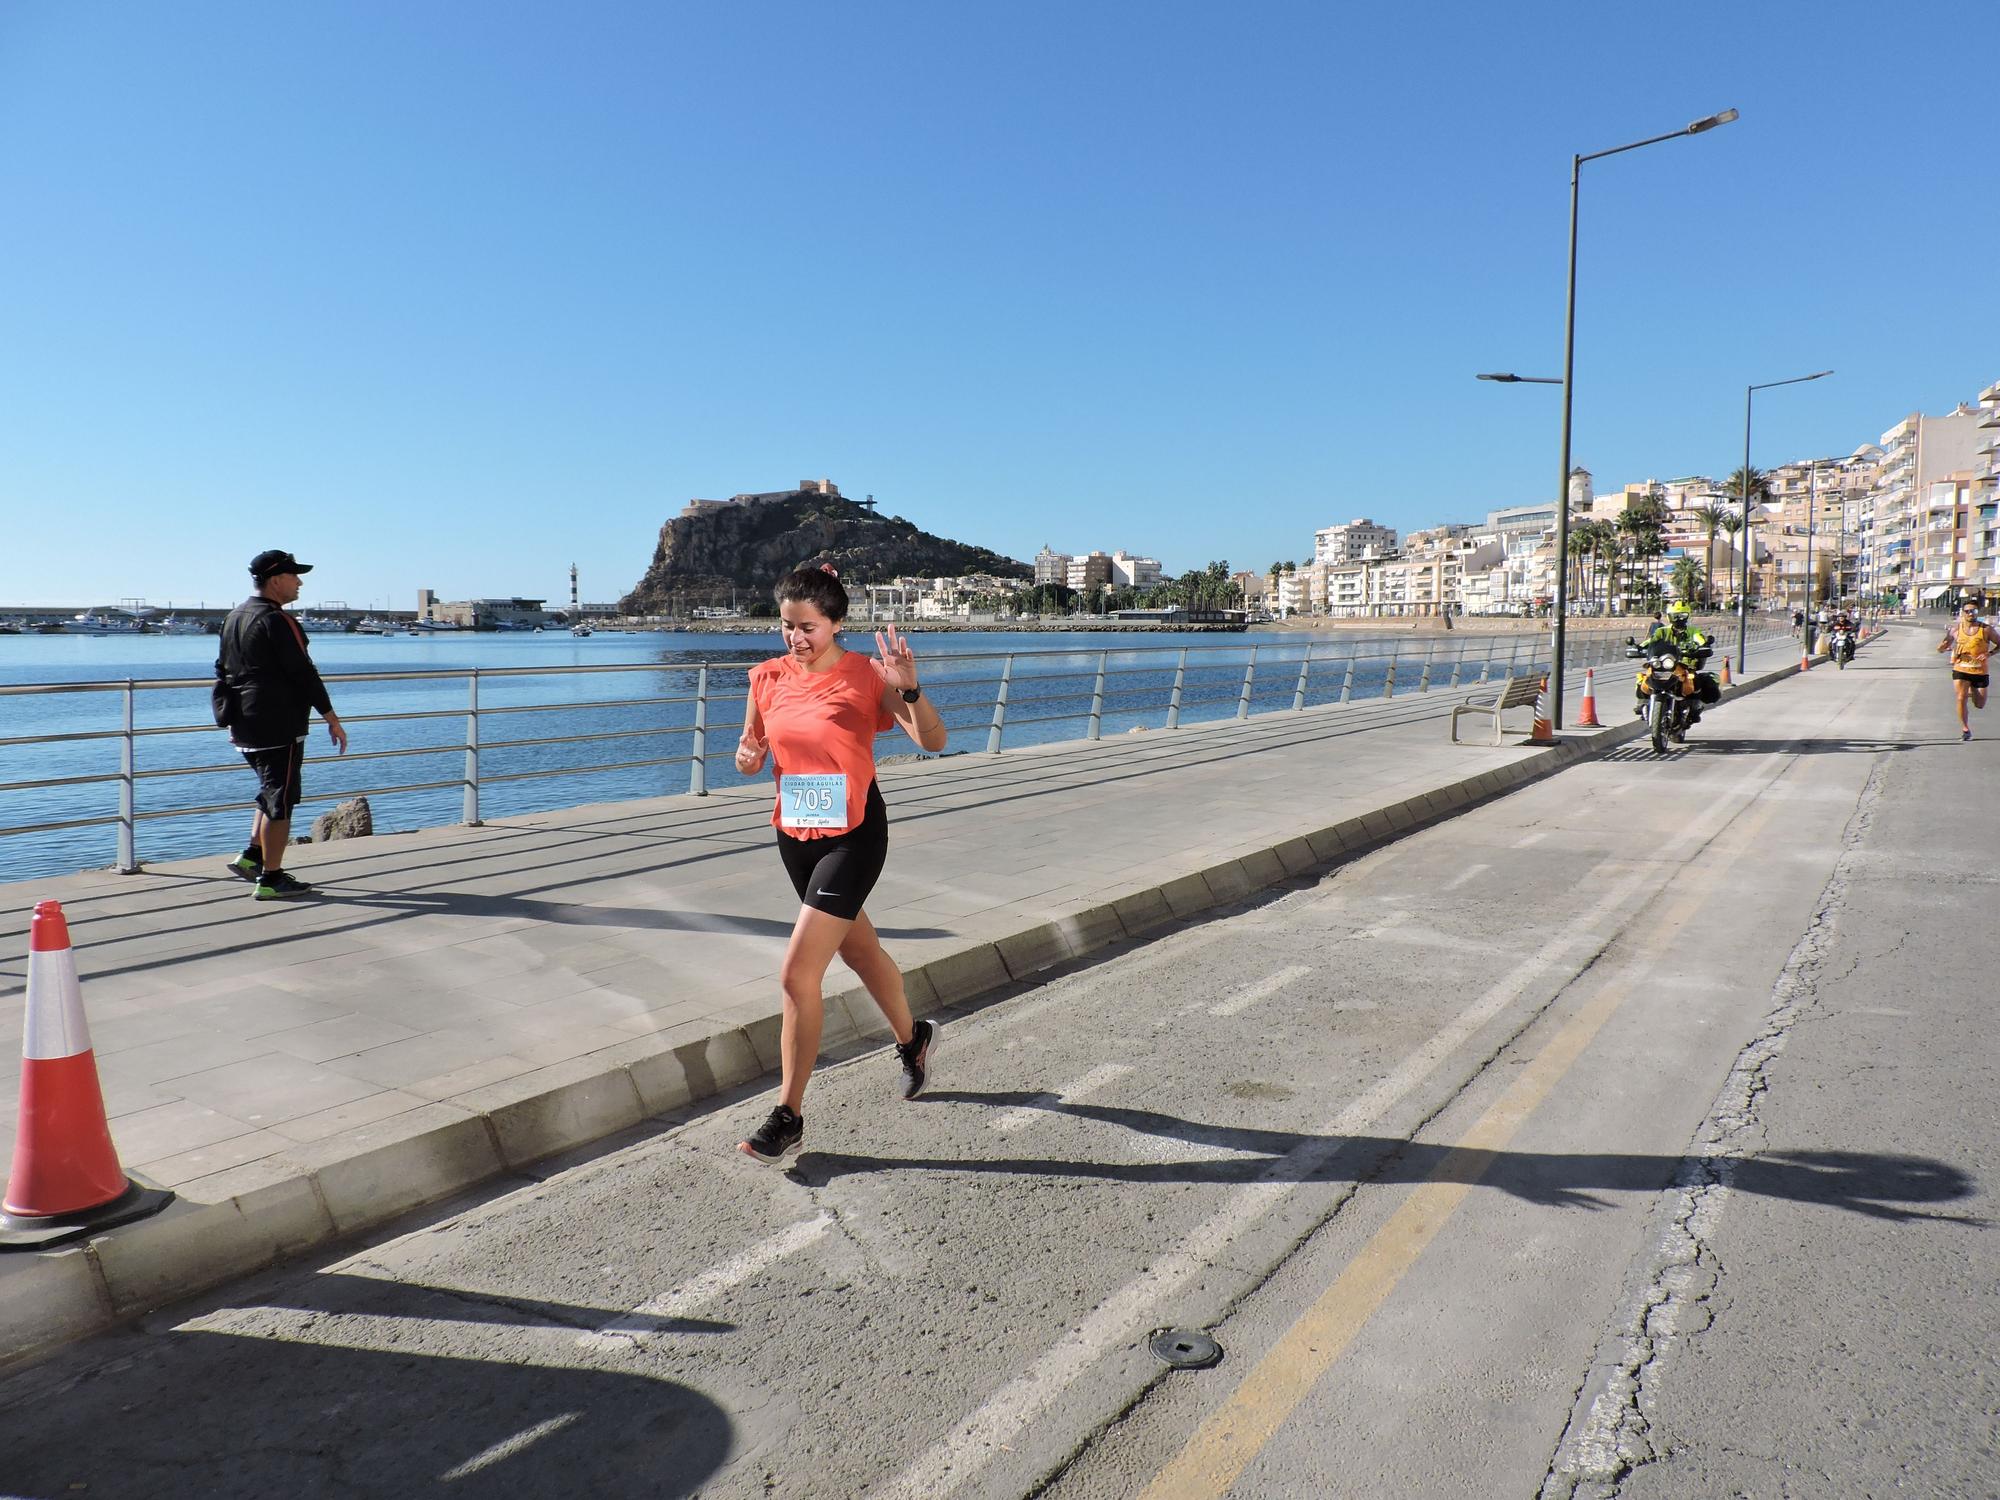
<point>276,885</point>
<point>243,867</point>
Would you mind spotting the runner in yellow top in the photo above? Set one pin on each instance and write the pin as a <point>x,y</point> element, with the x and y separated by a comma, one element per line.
<point>1969,641</point>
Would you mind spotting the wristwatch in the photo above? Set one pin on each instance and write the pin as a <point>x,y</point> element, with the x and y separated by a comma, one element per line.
<point>911,695</point>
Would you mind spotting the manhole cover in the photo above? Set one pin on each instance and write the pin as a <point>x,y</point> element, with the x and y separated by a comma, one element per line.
<point>1185,1349</point>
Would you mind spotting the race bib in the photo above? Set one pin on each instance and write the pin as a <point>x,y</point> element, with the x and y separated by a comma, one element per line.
<point>812,801</point>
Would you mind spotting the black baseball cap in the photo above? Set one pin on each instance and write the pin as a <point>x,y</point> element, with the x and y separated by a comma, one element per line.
<point>270,564</point>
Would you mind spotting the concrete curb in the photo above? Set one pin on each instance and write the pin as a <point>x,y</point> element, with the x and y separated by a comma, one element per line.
<point>362,1179</point>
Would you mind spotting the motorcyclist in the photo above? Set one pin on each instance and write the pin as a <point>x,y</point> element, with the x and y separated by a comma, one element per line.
<point>1843,626</point>
<point>1694,646</point>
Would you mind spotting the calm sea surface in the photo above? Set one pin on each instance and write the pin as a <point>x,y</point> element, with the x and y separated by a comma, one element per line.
<point>635,703</point>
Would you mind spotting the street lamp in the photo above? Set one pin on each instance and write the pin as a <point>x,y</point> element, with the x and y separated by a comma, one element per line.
<point>1743,484</point>
<point>1568,382</point>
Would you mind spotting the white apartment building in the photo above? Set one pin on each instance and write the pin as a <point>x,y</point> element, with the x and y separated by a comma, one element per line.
<point>1353,541</point>
<point>1051,566</point>
<point>1128,572</point>
<point>1303,592</point>
<point>1913,540</point>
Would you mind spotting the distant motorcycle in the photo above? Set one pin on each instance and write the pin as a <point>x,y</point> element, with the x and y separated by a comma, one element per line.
<point>1842,646</point>
<point>1667,692</point>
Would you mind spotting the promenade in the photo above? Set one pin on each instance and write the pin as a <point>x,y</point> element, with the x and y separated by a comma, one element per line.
<point>463,1002</point>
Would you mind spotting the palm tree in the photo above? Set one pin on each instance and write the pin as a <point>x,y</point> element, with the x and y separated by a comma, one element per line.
<point>1687,577</point>
<point>1732,522</point>
<point>1760,485</point>
<point>1711,516</point>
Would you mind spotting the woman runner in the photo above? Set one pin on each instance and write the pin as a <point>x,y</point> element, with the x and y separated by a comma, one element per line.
<point>816,711</point>
<point>1970,642</point>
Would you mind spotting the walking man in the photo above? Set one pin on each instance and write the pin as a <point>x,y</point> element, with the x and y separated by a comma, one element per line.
<point>266,688</point>
<point>1970,642</point>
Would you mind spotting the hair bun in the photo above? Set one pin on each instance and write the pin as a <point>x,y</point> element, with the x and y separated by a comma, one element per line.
<point>830,570</point>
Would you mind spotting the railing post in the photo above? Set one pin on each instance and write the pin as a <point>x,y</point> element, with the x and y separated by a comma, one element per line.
<point>1347,677</point>
<point>128,837</point>
<point>1424,677</point>
<point>1000,707</point>
<point>1389,679</point>
<point>1174,700</point>
<point>1299,692</point>
<point>1486,666</point>
<point>698,762</point>
<point>1457,666</point>
<point>472,750</point>
<point>1249,676</point>
<point>1097,698</point>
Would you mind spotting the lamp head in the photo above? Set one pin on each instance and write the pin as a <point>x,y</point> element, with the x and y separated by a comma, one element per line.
<point>1503,379</point>
<point>1711,122</point>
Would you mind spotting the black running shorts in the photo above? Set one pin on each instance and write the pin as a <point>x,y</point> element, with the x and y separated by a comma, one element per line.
<point>1977,679</point>
<point>279,780</point>
<point>835,875</point>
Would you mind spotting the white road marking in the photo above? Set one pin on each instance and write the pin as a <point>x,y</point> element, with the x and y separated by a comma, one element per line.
<point>965,1450</point>
<point>1097,1078</point>
<point>1527,839</point>
<point>1263,989</point>
<point>629,1329</point>
<point>510,1447</point>
<point>1466,876</point>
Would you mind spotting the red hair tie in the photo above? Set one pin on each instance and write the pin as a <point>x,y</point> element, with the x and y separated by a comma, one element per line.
<point>830,570</point>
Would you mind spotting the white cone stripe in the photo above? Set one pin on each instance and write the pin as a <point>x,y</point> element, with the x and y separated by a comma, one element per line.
<point>55,1026</point>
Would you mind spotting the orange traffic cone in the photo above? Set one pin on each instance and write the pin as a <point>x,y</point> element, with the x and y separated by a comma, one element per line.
<point>1543,733</point>
<point>1586,716</point>
<point>66,1181</point>
<point>1724,680</point>
<point>1805,660</point>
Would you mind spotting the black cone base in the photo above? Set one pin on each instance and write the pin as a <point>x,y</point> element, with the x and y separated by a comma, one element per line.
<point>45,1231</point>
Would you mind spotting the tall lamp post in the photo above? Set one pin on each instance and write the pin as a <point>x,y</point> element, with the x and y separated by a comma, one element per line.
<point>1568,377</point>
<point>1743,484</point>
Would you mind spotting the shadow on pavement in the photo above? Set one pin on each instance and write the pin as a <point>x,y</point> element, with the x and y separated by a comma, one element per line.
<point>1872,1184</point>
<point>298,1410</point>
<point>1815,747</point>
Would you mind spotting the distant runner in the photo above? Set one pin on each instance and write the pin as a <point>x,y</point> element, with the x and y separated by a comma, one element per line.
<point>816,711</point>
<point>1970,641</point>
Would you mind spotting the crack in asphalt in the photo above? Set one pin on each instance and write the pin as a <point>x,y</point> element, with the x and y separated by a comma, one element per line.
<point>1604,1446</point>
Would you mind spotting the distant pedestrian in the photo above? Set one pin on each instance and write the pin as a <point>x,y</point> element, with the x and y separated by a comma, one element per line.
<point>1970,641</point>
<point>815,711</point>
<point>1798,622</point>
<point>266,688</point>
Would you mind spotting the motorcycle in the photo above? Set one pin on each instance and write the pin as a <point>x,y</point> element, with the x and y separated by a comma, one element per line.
<point>1842,646</point>
<point>1667,690</point>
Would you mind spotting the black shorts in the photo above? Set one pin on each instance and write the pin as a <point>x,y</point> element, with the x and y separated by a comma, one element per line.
<point>835,875</point>
<point>279,781</point>
<point>1977,679</point>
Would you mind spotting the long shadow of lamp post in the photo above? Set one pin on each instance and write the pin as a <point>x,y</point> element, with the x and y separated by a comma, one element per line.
<point>1556,655</point>
<point>1743,484</point>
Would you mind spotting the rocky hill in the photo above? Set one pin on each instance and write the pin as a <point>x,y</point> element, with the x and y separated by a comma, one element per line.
<point>747,544</point>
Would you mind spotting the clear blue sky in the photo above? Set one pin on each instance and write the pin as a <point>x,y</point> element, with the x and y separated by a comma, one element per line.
<point>453,294</point>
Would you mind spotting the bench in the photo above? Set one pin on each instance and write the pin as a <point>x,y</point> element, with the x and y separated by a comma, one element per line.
<point>1515,692</point>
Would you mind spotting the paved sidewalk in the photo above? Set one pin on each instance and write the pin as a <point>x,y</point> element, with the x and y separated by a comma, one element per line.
<point>464,1001</point>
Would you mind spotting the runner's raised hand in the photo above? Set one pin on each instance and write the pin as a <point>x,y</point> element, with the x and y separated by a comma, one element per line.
<point>750,752</point>
<point>894,662</point>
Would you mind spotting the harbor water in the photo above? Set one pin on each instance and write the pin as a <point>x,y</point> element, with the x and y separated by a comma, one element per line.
<point>563,720</point>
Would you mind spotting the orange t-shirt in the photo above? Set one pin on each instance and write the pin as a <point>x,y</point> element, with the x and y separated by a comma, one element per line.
<point>821,723</point>
<point>1969,648</point>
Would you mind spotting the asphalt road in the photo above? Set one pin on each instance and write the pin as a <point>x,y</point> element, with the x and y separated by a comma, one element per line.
<point>1625,1136</point>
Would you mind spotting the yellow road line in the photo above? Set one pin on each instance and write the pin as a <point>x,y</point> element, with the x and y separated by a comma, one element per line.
<point>1234,1435</point>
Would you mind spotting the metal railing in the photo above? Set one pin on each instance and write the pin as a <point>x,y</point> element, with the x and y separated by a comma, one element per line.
<point>1127,684</point>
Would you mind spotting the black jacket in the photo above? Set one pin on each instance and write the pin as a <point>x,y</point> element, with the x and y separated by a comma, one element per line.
<point>266,686</point>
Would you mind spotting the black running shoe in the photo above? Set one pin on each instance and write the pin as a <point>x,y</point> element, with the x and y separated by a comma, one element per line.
<point>243,867</point>
<point>778,1137</point>
<point>276,885</point>
<point>915,1055</point>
